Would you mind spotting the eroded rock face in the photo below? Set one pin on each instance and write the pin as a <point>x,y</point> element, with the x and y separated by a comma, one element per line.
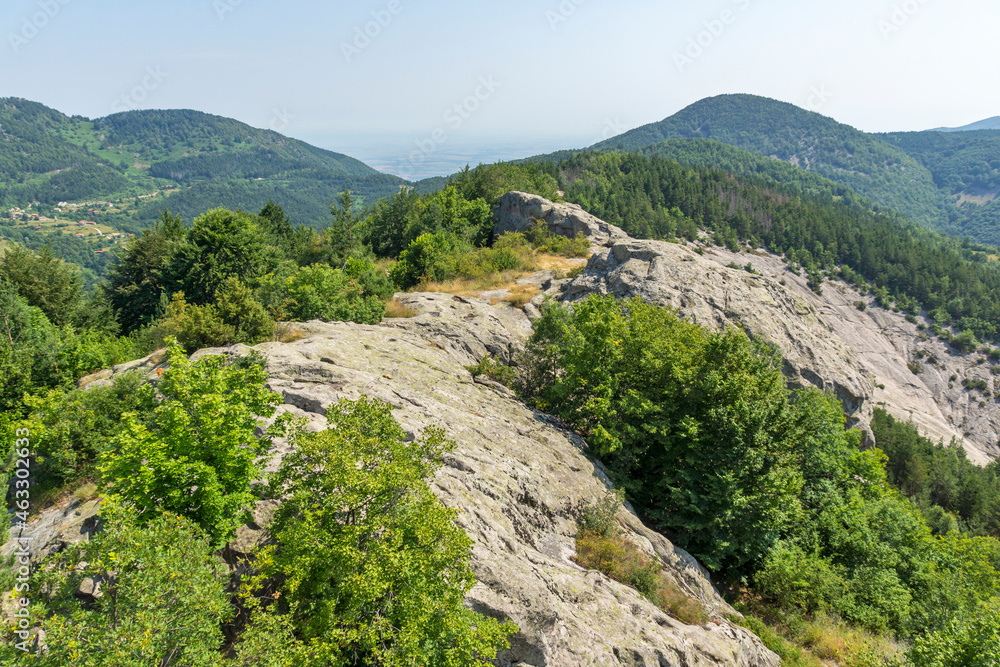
<point>517,479</point>
<point>519,210</point>
<point>826,340</point>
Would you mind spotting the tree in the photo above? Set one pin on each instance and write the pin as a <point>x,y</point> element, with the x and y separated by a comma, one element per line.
<point>342,237</point>
<point>221,244</point>
<point>45,282</point>
<point>320,292</point>
<point>160,597</point>
<point>693,423</point>
<point>139,283</point>
<point>374,568</point>
<point>201,456</point>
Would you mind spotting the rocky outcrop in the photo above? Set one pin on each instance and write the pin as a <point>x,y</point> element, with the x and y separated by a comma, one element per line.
<point>518,211</point>
<point>55,530</point>
<point>517,479</point>
<point>468,328</point>
<point>863,355</point>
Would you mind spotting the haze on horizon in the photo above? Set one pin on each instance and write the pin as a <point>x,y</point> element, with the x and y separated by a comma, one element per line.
<point>415,89</point>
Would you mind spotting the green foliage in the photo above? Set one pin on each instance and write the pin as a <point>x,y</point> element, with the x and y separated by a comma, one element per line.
<point>939,476</point>
<point>69,430</point>
<point>693,422</point>
<point>221,244</point>
<point>199,458</point>
<point>969,643</point>
<point>878,170</point>
<point>238,308</point>
<point>374,568</point>
<point>194,327</point>
<point>162,601</point>
<point>494,370</point>
<point>36,355</point>
<point>319,292</point>
<point>139,282</point>
<point>44,282</point>
<point>427,258</point>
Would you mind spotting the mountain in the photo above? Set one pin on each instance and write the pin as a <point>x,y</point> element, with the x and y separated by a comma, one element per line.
<point>186,160</point>
<point>884,173</point>
<point>943,181</point>
<point>988,124</point>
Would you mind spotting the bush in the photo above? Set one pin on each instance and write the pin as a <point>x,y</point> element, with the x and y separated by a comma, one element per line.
<point>70,430</point>
<point>319,292</point>
<point>429,257</point>
<point>376,572</point>
<point>199,455</point>
<point>163,599</point>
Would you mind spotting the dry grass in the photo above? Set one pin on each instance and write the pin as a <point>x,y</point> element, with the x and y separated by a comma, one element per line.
<point>623,561</point>
<point>396,310</point>
<point>505,280</point>
<point>86,492</point>
<point>286,333</point>
<point>522,294</point>
<point>818,640</point>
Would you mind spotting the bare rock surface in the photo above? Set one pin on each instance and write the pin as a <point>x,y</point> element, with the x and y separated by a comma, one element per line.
<point>469,328</point>
<point>518,211</point>
<point>54,530</point>
<point>826,340</point>
<point>518,480</point>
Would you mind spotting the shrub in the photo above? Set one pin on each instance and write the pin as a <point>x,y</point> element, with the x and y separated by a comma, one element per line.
<point>428,257</point>
<point>200,453</point>
<point>320,292</point>
<point>163,599</point>
<point>494,370</point>
<point>375,573</point>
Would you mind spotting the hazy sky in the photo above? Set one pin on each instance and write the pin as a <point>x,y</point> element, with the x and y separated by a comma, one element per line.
<point>526,76</point>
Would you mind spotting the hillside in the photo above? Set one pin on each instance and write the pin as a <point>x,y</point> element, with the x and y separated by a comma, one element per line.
<point>883,173</point>
<point>143,162</point>
<point>987,124</point>
<point>966,168</point>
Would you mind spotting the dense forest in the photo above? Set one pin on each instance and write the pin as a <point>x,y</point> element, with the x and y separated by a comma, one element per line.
<point>883,173</point>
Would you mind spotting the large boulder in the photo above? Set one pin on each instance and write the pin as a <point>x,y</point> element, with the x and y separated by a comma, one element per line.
<point>518,211</point>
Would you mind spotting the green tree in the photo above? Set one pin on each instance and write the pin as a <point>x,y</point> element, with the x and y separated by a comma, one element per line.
<point>374,568</point>
<point>139,284</point>
<point>693,423</point>
<point>200,458</point>
<point>162,597</point>
<point>45,282</point>
<point>221,244</point>
<point>320,292</point>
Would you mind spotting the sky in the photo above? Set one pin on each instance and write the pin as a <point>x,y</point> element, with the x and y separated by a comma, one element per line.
<point>418,87</point>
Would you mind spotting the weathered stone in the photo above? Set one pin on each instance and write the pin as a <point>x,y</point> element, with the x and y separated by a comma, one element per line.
<point>468,328</point>
<point>55,529</point>
<point>518,480</point>
<point>518,211</point>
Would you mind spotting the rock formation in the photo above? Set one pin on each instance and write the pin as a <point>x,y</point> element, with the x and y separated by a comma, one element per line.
<point>826,340</point>
<point>517,478</point>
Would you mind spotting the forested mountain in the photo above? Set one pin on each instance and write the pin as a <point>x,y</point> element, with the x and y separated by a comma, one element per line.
<point>988,124</point>
<point>941,181</point>
<point>189,161</point>
<point>884,173</point>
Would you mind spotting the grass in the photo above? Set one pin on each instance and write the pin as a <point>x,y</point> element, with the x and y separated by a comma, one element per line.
<point>818,640</point>
<point>623,561</point>
<point>472,286</point>
<point>395,310</point>
<point>86,492</point>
